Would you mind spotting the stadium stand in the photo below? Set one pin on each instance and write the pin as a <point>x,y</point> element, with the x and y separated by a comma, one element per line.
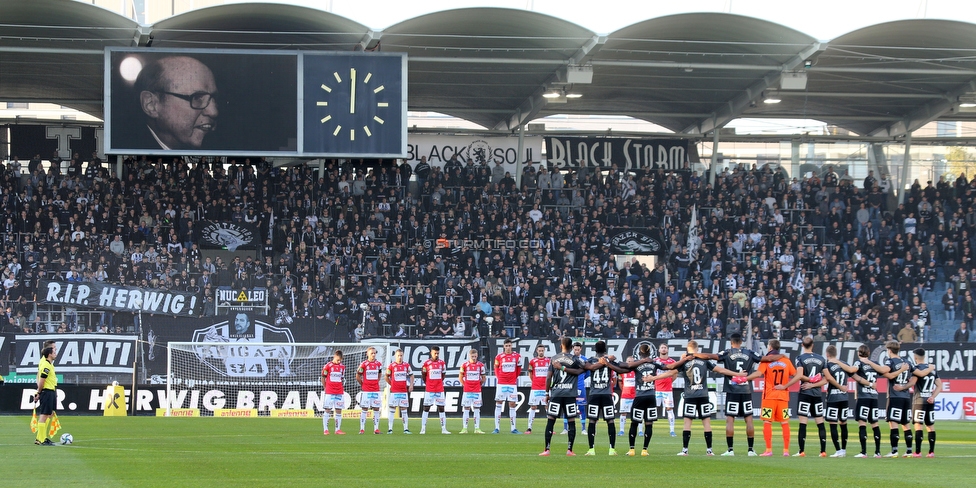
<point>779,257</point>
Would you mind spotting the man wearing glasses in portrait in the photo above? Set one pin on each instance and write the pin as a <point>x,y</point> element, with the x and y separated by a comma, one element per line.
<point>178,95</point>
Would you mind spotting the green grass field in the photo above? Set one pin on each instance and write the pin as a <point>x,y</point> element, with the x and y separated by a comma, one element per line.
<point>149,451</point>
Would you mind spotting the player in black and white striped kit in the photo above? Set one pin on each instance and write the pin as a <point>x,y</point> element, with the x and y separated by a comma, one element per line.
<point>696,401</point>
<point>900,382</point>
<point>928,386</point>
<point>810,402</point>
<point>644,409</point>
<point>838,403</point>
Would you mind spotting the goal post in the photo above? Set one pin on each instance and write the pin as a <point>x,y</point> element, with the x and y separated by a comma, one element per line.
<point>261,376</point>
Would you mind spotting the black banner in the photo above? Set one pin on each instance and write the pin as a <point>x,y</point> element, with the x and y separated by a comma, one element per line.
<point>628,154</point>
<point>454,352</point>
<point>229,235</point>
<point>5,347</point>
<point>640,241</point>
<point>77,353</point>
<point>951,360</point>
<point>89,399</point>
<point>105,296</point>
<point>26,141</point>
<point>238,328</point>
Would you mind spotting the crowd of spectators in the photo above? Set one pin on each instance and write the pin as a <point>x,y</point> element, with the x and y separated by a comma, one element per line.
<point>778,256</point>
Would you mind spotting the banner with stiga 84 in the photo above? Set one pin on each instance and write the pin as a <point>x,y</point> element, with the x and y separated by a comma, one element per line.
<point>235,328</point>
<point>105,296</point>
<point>628,154</point>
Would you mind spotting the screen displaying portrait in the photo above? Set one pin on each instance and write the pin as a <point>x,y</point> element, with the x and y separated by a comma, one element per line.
<point>201,102</point>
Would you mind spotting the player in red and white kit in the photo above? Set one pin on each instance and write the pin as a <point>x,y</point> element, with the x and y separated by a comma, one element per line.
<point>332,383</point>
<point>508,367</point>
<point>368,377</point>
<point>433,373</point>
<point>538,371</point>
<point>472,378</point>
<point>628,391</point>
<point>663,387</point>
<point>400,377</point>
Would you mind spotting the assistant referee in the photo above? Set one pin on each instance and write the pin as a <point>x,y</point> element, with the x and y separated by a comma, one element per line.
<point>47,385</point>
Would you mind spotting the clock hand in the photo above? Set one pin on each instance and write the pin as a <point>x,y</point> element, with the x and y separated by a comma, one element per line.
<point>352,90</point>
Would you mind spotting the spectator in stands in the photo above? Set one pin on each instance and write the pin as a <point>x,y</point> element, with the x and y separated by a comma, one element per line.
<point>907,333</point>
<point>950,302</point>
<point>962,333</point>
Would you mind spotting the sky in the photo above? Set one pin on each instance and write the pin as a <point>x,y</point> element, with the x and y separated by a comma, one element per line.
<point>821,19</point>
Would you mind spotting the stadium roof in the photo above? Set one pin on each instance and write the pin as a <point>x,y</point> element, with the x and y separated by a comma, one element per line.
<point>689,73</point>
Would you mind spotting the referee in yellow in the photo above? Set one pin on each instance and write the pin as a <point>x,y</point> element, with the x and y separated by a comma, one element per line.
<point>47,394</point>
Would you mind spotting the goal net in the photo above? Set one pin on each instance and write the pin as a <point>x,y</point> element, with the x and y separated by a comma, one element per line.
<point>262,376</point>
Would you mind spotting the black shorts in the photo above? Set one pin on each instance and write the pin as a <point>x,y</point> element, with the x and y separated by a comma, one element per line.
<point>562,406</point>
<point>837,412</point>
<point>644,409</point>
<point>697,408</point>
<point>600,407</point>
<point>48,402</point>
<point>900,410</point>
<point>924,413</point>
<point>866,410</point>
<point>738,405</point>
<point>809,406</point>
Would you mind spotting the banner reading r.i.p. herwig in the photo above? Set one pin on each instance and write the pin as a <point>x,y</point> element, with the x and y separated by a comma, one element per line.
<point>105,296</point>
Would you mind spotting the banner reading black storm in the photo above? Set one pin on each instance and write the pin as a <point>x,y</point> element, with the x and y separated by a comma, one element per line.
<point>629,154</point>
<point>119,298</point>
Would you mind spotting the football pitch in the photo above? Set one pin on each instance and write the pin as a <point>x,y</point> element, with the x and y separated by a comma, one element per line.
<point>149,451</point>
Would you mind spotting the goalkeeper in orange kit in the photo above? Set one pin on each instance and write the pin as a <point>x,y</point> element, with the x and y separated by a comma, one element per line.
<point>778,376</point>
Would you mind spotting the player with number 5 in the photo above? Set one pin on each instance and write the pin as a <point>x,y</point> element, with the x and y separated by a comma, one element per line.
<point>696,402</point>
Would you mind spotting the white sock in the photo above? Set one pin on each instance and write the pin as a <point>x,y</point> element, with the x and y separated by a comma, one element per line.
<point>338,419</point>
<point>531,418</point>
<point>498,416</point>
<point>406,419</point>
<point>477,419</point>
<point>465,417</point>
<point>423,419</point>
<point>443,417</point>
<point>390,419</point>
<point>623,422</point>
<point>362,420</point>
<point>376,420</point>
<point>511,416</point>
<point>671,419</point>
<point>325,420</point>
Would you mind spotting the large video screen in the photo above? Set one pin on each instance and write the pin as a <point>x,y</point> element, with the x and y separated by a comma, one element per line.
<point>254,103</point>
